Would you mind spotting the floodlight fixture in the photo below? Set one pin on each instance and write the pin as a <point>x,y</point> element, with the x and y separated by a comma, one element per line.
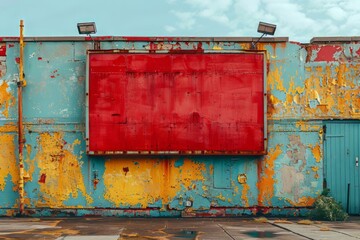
<point>86,28</point>
<point>266,28</point>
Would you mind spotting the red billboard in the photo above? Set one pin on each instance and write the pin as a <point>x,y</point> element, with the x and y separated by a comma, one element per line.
<point>175,103</point>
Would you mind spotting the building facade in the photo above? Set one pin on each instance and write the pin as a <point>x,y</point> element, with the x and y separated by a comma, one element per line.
<point>313,136</point>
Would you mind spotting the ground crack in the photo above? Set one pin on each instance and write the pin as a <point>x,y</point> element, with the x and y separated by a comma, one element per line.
<point>286,229</point>
<point>225,231</point>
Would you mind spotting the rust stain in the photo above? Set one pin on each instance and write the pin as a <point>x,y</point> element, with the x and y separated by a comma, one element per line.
<point>95,183</point>
<point>149,180</point>
<point>8,166</point>
<point>64,178</point>
<point>308,53</point>
<point>7,100</point>
<point>126,170</point>
<point>42,178</point>
<point>242,178</point>
<point>266,181</point>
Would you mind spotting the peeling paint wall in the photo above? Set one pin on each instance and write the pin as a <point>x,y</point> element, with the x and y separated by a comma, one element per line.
<point>306,84</point>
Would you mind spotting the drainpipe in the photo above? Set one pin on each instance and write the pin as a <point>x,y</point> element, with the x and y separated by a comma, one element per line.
<point>21,83</point>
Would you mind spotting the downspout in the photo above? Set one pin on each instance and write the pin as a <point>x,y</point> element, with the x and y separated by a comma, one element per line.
<point>21,83</point>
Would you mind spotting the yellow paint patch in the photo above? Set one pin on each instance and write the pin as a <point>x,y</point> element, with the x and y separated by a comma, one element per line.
<point>316,151</point>
<point>61,171</point>
<point>272,104</point>
<point>303,202</point>
<point>6,99</point>
<point>315,169</point>
<point>235,188</point>
<point>217,47</point>
<point>31,167</point>
<point>8,128</point>
<point>148,181</point>
<point>10,213</point>
<point>304,126</point>
<point>8,166</point>
<point>327,92</point>
<point>245,46</point>
<point>275,80</point>
<point>244,194</point>
<point>266,181</point>
<point>221,197</point>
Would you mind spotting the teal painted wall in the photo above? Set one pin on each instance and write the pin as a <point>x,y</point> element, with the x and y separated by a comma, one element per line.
<point>306,85</point>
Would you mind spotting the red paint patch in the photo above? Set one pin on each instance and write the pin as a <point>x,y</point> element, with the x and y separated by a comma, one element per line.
<point>42,178</point>
<point>136,99</point>
<point>8,39</point>
<point>17,60</point>
<point>126,170</point>
<point>103,38</point>
<point>297,43</point>
<point>327,53</point>
<point>52,76</point>
<point>358,52</point>
<point>11,45</point>
<point>95,182</point>
<point>2,50</point>
<point>39,58</point>
<point>151,39</point>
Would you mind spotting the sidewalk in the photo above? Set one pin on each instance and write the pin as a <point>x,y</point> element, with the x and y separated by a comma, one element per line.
<point>173,228</point>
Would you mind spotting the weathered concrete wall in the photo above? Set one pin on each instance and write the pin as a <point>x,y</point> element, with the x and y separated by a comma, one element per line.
<point>306,84</point>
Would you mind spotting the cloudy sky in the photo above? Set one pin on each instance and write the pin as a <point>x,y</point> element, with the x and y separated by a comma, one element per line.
<point>298,19</point>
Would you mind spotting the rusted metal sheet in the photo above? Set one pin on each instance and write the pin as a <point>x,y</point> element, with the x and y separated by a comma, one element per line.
<point>176,102</point>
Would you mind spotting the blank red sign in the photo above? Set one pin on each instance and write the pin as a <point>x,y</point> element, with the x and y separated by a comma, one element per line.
<point>181,103</point>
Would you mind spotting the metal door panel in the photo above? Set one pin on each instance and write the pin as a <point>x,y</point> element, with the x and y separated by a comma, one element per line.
<point>341,150</point>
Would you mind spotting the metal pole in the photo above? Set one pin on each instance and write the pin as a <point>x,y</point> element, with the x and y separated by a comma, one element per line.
<point>20,121</point>
<point>348,198</point>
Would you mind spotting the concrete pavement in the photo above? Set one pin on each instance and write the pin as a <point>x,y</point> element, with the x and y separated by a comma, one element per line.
<point>174,228</point>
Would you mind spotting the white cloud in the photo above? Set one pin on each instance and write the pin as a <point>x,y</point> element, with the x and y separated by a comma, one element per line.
<point>187,19</point>
<point>336,13</point>
<point>300,20</point>
<point>169,28</point>
<point>212,10</point>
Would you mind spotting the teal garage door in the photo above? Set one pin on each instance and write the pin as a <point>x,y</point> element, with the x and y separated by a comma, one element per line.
<point>342,144</point>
